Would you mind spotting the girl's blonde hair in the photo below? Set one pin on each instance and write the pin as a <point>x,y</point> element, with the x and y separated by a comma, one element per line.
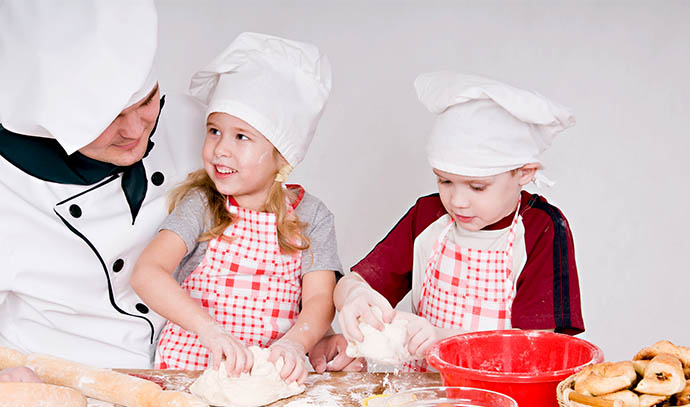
<point>291,237</point>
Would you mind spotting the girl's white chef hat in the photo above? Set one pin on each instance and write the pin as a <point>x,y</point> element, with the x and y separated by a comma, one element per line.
<point>68,68</point>
<point>485,127</point>
<point>278,86</point>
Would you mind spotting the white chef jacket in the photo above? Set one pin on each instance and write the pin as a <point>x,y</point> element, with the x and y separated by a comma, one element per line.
<point>67,253</point>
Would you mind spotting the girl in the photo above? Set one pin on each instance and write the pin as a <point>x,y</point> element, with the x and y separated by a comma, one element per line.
<point>267,273</point>
<point>482,254</point>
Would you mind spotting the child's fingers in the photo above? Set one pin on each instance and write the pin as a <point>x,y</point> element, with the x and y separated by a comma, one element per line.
<point>296,373</point>
<point>229,352</point>
<point>414,342</point>
<point>275,354</point>
<point>303,376</point>
<point>420,343</point>
<point>216,356</point>
<point>288,367</point>
<point>356,365</point>
<point>426,346</point>
<point>240,359</point>
<point>387,312</point>
<point>249,360</point>
<point>370,318</point>
<point>350,325</point>
<point>319,363</point>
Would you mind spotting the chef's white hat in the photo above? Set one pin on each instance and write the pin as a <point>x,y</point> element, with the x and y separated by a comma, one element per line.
<point>68,68</point>
<point>485,127</point>
<point>278,86</point>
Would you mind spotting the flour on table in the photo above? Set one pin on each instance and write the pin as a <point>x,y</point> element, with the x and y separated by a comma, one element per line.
<point>388,346</point>
<point>98,403</point>
<point>261,386</point>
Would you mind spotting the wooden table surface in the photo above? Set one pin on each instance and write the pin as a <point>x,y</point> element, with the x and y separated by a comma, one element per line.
<point>323,390</point>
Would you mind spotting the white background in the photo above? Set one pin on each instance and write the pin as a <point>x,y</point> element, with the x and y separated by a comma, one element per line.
<point>621,172</point>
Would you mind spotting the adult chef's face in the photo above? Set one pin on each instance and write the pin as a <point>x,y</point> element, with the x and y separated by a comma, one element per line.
<point>240,161</point>
<point>125,140</point>
<point>477,202</point>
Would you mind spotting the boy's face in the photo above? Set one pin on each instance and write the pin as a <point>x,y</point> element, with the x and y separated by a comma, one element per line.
<point>477,202</point>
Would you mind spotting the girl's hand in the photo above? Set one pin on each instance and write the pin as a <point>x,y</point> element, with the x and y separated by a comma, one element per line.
<point>329,355</point>
<point>359,307</point>
<point>294,367</point>
<point>421,334</point>
<point>238,358</point>
<point>19,374</point>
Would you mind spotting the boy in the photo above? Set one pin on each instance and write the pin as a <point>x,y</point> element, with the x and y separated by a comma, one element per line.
<point>481,254</point>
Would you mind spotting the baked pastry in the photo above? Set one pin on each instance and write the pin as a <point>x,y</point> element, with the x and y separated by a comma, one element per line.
<point>663,376</point>
<point>649,400</point>
<point>681,352</point>
<point>627,397</point>
<point>605,378</point>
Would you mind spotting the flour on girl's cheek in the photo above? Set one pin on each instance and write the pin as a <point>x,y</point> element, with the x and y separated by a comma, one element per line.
<point>263,156</point>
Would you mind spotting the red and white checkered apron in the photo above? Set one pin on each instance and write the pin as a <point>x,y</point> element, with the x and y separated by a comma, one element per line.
<point>467,288</point>
<point>245,283</point>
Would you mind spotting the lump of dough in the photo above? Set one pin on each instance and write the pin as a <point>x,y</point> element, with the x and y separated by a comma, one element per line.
<point>261,386</point>
<point>388,346</point>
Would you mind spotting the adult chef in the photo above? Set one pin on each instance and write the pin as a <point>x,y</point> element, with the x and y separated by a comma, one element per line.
<point>88,151</point>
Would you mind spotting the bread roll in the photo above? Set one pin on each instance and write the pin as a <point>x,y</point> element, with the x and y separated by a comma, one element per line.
<point>640,366</point>
<point>663,376</point>
<point>628,398</point>
<point>648,400</point>
<point>683,397</point>
<point>681,352</point>
<point>39,395</point>
<point>605,378</point>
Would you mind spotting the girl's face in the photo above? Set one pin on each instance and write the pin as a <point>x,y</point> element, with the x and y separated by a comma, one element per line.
<point>239,160</point>
<point>477,202</point>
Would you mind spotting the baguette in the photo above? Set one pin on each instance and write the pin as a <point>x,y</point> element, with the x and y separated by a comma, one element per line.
<point>39,395</point>
<point>11,358</point>
<point>101,384</point>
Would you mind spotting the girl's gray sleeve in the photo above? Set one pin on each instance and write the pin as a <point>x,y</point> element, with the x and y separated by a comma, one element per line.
<point>323,251</point>
<point>187,219</point>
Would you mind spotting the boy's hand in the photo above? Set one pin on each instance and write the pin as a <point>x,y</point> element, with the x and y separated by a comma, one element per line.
<point>329,355</point>
<point>238,358</point>
<point>359,307</point>
<point>421,334</point>
<point>294,367</point>
<point>19,374</point>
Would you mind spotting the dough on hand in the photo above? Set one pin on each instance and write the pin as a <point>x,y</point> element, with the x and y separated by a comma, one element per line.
<point>388,346</point>
<point>261,386</point>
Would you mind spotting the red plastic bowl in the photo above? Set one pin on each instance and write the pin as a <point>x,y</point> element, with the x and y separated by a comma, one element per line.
<point>525,365</point>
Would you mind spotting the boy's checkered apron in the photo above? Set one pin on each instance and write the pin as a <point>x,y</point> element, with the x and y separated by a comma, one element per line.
<point>467,288</point>
<point>245,283</point>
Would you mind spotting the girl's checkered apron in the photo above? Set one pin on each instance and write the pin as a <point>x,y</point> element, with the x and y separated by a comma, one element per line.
<point>245,283</point>
<point>467,288</point>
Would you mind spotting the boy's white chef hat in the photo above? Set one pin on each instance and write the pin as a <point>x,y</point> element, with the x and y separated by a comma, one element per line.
<point>278,86</point>
<point>485,127</point>
<point>68,68</point>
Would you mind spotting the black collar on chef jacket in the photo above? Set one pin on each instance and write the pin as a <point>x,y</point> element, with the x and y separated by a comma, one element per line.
<point>45,159</point>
